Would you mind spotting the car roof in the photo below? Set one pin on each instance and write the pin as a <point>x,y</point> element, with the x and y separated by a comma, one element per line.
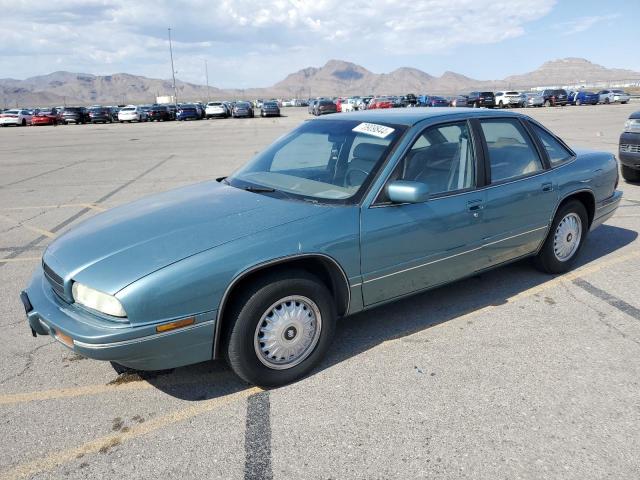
<point>412,116</point>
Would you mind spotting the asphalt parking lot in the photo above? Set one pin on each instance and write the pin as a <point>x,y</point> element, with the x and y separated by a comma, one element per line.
<point>509,375</point>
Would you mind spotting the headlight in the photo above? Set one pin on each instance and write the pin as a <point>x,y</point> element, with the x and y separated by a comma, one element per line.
<point>632,125</point>
<point>96,300</point>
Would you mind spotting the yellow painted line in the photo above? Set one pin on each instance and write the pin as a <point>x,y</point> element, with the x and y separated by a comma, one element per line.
<point>12,398</point>
<point>61,457</point>
<point>41,231</point>
<point>21,259</point>
<point>94,207</point>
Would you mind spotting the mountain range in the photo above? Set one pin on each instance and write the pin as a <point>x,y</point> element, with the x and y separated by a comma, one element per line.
<point>336,77</point>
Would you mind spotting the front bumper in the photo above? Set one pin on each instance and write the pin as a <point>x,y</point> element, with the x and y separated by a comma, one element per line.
<point>630,155</point>
<point>138,347</point>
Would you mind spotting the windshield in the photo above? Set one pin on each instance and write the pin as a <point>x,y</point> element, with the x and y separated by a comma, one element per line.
<point>329,160</point>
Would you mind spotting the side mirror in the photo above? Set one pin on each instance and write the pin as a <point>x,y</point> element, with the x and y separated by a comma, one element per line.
<point>403,191</point>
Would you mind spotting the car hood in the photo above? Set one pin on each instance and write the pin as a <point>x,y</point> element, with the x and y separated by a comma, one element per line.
<point>117,247</point>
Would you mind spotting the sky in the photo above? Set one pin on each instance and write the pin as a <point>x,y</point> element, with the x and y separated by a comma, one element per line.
<point>255,43</point>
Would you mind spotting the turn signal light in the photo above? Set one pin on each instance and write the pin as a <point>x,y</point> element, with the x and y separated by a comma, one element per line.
<point>185,322</point>
<point>66,339</point>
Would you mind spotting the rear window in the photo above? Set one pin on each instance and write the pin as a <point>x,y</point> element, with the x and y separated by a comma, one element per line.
<point>487,94</point>
<point>558,154</point>
<point>513,93</point>
<point>128,109</point>
<point>13,112</point>
<point>72,110</point>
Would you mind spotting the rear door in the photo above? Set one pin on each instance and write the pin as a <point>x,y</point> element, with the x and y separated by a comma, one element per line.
<point>521,195</point>
<point>409,247</point>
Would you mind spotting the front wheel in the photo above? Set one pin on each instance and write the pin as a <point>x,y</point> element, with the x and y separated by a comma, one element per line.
<point>565,238</point>
<point>279,328</point>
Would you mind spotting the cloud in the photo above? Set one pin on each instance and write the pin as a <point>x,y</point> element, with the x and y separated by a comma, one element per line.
<point>583,24</point>
<point>242,38</point>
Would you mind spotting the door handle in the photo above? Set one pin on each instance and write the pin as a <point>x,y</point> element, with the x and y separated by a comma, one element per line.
<point>547,187</point>
<point>474,205</point>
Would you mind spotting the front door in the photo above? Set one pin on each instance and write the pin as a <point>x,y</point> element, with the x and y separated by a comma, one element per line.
<point>409,247</point>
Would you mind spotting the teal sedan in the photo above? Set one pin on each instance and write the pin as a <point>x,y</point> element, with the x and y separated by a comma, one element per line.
<point>344,213</point>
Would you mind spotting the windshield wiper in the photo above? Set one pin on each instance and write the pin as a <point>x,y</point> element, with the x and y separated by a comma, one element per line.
<point>254,189</point>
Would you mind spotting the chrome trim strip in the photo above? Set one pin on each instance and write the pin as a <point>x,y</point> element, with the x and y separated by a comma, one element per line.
<point>260,266</point>
<point>456,255</point>
<point>355,285</point>
<point>134,341</point>
<point>514,236</point>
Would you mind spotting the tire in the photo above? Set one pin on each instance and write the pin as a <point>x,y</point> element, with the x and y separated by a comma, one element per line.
<point>630,174</point>
<point>578,102</point>
<point>548,259</point>
<point>500,104</point>
<point>606,101</point>
<point>547,103</point>
<point>24,123</point>
<point>475,105</point>
<point>243,346</point>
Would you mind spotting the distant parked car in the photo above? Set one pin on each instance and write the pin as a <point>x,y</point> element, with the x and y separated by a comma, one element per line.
<point>242,110</point>
<point>533,99</point>
<point>215,110</point>
<point>269,109</point>
<point>47,117</point>
<point>159,113</point>
<point>629,148</point>
<point>432,101</point>
<point>613,96</point>
<point>311,105</point>
<point>553,97</point>
<point>17,117</point>
<point>324,107</point>
<point>583,98</point>
<point>76,115</point>
<point>621,96</point>
<point>509,98</point>
<point>378,103</point>
<point>100,115</point>
<point>459,101</point>
<point>131,113</point>
<point>481,99</point>
<point>187,111</point>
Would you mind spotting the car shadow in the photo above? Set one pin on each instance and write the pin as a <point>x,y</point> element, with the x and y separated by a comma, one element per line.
<point>361,332</point>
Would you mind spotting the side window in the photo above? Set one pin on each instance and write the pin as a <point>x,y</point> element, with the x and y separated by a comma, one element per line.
<point>442,157</point>
<point>511,151</point>
<point>557,152</point>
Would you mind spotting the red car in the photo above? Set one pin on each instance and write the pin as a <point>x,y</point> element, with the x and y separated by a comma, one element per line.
<point>379,102</point>
<point>47,117</point>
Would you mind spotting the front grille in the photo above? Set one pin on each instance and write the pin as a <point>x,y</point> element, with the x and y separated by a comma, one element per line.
<point>56,282</point>
<point>629,148</point>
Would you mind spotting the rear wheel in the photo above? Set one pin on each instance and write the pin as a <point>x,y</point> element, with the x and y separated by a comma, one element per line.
<point>500,104</point>
<point>578,102</point>
<point>279,328</point>
<point>24,122</point>
<point>565,238</point>
<point>547,103</point>
<point>630,174</point>
<point>606,101</point>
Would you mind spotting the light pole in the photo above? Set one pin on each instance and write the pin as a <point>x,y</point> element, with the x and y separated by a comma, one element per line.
<point>206,74</point>
<point>173,71</point>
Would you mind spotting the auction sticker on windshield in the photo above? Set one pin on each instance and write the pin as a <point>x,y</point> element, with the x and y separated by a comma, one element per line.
<point>380,131</point>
